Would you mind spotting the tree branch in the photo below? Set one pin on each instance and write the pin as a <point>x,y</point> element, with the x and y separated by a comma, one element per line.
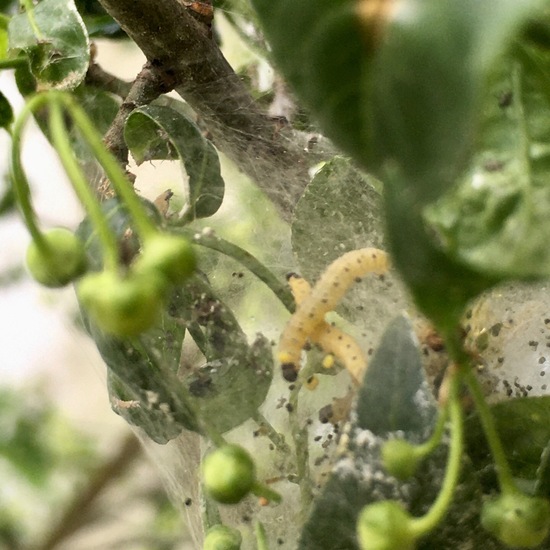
<point>176,43</point>
<point>75,514</point>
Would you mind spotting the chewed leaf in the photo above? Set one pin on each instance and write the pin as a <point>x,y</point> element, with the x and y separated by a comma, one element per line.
<point>158,132</point>
<point>60,53</point>
<point>498,219</point>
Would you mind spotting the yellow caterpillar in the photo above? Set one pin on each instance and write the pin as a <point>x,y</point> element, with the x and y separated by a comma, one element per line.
<point>308,321</point>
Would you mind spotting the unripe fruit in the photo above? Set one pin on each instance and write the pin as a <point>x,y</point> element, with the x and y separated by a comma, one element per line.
<point>172,256</point>
<point>221,537</point>
<point>59,261</point>
<point>385,526</point>
<point>229,474</point>
<point>517,519</point>
<point>121,305</point>
<point>399,458</point>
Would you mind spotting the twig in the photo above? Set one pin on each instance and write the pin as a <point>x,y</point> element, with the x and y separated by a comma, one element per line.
<point>75,514</point>
<point>148,85</point>
<point>108,82</point>
<point>176,43</point>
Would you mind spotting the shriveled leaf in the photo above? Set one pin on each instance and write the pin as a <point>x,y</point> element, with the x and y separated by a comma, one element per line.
<point>498,219</point>
<point>60,54</point>
<point>158,132</point>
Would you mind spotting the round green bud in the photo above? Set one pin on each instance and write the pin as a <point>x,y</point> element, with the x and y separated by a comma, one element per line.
<point>57,261</point>
<point>229,474</point>
<point>385,525</point>
<point>517,519</point>
<point>172,256</point>
<point>221,537</point>
<point>400,458</point>
<point>121,305</point>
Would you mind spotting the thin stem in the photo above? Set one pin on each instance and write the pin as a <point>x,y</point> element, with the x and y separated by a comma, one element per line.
<point>431,444</point>
<point>247,260</point>
<point>261,537</point>
<point>13,63</point>
<point>261,490</point>
<point>504,473</point>
<point>29,9</point>
<point>145,227</point>
<point>62,144</point>
<point>277,439</point>
<point>435,514</point>
<point>20,182</point>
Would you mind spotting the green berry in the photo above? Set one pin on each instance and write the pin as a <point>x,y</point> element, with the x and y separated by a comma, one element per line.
<point>58,260</point>
<point>171,256</point>
<point>400,458</point>
<point>229,474</point>
<point>385,525</point>
<point>517,519</point>
<point>121,305</point>
<point>221,537</point>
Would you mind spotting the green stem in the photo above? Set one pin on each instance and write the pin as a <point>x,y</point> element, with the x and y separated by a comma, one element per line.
<point>435,514</point>
<point>262,490</point>
<point>261,537</point>
<point>277,439</point>
<point>63,147</point>
<point>13,63</point>
<point>504,473</point>
<point>20,182</point>
<point>432,443</point>
<point>247,260</point>
<point>29,9</point>
<point>145,227</point>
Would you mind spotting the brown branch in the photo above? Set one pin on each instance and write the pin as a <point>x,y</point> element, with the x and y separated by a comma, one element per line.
<point>148,85</point>
<point>76,513</point>
<point>107,82</point>
<point>177,44</point>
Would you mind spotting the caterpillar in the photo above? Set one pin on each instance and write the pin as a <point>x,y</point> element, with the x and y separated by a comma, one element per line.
<point>308,321</point>
<point>335,342</point>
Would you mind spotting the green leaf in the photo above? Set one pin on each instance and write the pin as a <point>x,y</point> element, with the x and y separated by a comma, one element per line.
<point>498,219</point>
<point>404,103</point>
<point>59,56</point>
<point>524,428</point>
<point>158,132</point>
<point>394,395</point>
<point>320,48</point>
<point>98,22</point>
<point>6,112</point>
